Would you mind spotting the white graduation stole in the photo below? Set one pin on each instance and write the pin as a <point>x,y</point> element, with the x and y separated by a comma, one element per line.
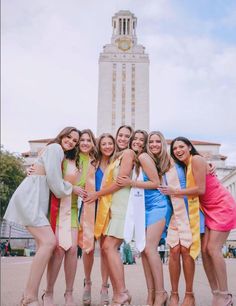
<point>135,215</point>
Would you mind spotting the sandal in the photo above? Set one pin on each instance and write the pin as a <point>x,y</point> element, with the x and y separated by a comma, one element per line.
<point>122,301</point>
<point>226,298</point>
<point>104,294</point>
<point>71,302</point>
<point>29,302</point>
<point>157,301</point>
<point>174,301</point>
<point>188,295</point>
<point>48,294</point>
<point>87,293</point>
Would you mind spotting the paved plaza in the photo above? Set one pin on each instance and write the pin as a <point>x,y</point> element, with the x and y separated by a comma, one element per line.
<point>14,271</point>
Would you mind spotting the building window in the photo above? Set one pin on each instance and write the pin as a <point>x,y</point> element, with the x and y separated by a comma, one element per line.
<point>133,96</point>
<point>113,106</point>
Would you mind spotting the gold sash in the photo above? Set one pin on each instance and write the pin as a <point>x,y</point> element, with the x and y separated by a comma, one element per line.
<point>194,218</point>
<point>104,204</point>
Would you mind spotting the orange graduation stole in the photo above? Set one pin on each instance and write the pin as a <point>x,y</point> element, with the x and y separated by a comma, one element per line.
<point>87,218</point>
<point>194,217</point>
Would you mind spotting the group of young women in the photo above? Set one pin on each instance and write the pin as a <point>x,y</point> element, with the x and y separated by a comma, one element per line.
<point>95,187</point>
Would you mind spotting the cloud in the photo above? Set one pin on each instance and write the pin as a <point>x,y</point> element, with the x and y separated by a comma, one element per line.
<point>50,57</point>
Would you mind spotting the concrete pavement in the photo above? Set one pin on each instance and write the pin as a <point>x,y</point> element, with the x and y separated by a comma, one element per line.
<point>14,271</point>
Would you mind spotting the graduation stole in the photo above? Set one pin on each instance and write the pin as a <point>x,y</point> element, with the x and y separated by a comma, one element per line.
<point>179,230</point>
<point>70,174</point>
<point>104,203</point>
<point>194,217</point>
<point>87,218</point>
<point>135,215</point>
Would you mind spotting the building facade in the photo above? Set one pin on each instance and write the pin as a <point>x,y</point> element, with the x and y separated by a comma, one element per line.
<point>123,90</point>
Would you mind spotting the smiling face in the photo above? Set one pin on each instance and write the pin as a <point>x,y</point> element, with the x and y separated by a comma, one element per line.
<point>122,139</point>
<point>138,142</point>
<point>69,141</point>
<point>181,151</point>
<point>107,146</point>
<point>155,144</point>
<point>85,144</point>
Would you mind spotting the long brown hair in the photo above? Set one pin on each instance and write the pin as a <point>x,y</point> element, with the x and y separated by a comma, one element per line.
<point>71,154</point>
<point>144,149</point>
<point>94,152</point>
<point>162,160</point>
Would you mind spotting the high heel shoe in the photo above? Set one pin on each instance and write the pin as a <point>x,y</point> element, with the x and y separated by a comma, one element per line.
<point>69,302</point>
<point>225,298</point>
<point>186,299</point>
<point>164,301</point>
<point>87,292</point>
<point>104,294</point>
<point>126,299</point>
<point>47,294</point>
<point>29,302</point>
<point>172,301</point>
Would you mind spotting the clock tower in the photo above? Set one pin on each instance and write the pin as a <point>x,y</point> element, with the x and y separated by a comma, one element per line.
<point>123,93</point>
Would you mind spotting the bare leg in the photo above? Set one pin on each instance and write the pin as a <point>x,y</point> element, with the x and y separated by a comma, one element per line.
<point>70,265</point>
<point>115,265</point>
<point>88,260</point>
<point>153,236</point>
<point>208,263</point>
<point>174,270</point>
<point>149,279</point>
<point>46,242</point>
<point>189,270</point>
<point>104,274</point>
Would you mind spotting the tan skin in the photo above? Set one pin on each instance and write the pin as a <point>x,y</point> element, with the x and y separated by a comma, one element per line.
<point>106,148</point>
<point>70,256</point>
<point>212,241</point>
<point>111,244</point>
<point>150,258</point>
<point>45,238</point>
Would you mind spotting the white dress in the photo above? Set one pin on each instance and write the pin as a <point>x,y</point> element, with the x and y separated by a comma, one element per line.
<point>30,202</point>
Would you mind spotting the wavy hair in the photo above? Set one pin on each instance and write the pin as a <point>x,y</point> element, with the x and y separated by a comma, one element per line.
<point>99,140</point>
<point>71,154</point>
<point>162,160</point>
<point>93,154</point>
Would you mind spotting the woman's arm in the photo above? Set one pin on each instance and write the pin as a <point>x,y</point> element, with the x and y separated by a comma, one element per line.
<point>199,168</point>
<point>125,170</point>
<point>149,168</point>
<point>52,159</point>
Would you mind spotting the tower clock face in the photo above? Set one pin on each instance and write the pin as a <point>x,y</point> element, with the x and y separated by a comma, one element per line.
<point>124,44</point>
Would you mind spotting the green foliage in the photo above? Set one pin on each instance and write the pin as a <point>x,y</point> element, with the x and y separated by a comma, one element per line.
<point>11,175</point>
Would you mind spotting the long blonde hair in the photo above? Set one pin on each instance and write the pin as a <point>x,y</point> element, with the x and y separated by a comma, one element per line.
<point>162,160</point>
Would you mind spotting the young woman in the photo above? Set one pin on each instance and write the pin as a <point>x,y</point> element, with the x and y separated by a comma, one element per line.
<point>67,226</point>
<point>29,205</point>
<point>154,164</point>
<point>115,199</point>
<point>220,214</point>
<point>106,148</point>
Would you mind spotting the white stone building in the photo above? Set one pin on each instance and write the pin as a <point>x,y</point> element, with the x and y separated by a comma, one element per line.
<point>123,90</point>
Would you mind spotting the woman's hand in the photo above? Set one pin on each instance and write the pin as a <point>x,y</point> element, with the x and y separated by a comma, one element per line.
<point>168,190</point>
<point>80,192</point>
<point>123,181</point>
<point>212,169</point>
<point>91,197</point>
<point>30,170</point>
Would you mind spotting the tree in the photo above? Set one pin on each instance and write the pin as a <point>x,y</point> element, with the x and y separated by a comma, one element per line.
<point>12,173</point>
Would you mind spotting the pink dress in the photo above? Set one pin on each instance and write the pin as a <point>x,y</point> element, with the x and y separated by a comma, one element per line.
<point>218,205</point>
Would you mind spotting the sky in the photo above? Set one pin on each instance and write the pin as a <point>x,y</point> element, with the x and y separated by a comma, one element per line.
<point>50,52</point>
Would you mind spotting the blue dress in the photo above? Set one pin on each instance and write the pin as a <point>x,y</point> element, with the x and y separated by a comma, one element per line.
<point>156,205</point>
<point>182,181</point>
